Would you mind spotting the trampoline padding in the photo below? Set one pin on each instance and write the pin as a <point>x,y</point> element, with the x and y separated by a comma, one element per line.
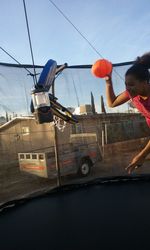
<point>108,216</point>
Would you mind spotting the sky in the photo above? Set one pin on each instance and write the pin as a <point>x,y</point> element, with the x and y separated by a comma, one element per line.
<point>118,30</point>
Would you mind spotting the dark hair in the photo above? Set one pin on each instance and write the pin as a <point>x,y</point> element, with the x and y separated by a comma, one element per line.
<point>140,68</point>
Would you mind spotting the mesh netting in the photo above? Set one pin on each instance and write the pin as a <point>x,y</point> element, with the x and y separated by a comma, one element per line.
<point>36,157</point>
<point>73,88</point>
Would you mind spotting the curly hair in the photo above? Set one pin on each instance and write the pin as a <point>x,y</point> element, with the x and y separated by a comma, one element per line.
<point>140,69</point>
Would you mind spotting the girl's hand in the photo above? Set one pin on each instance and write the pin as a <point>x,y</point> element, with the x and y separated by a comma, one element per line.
<point>136,162</point>
<point>108,77</point>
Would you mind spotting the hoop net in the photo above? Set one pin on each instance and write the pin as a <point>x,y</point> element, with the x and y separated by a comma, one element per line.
<point>59,123</point>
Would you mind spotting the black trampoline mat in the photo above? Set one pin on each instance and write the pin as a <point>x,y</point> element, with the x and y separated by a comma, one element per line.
<point>100,216</point>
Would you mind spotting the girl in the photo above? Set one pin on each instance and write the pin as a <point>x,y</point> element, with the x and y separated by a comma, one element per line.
<point>137,79</point>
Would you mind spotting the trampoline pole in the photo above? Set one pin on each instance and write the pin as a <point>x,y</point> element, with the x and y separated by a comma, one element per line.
<point>56,146</point>
<point>103,142</point>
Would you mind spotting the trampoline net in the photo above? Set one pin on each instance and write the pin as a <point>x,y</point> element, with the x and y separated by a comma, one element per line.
<point>101,144</point>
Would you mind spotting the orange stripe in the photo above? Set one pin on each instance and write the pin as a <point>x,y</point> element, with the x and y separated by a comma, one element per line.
<point>93,154</point>
<point>34,167</point>
<point>67,162</point>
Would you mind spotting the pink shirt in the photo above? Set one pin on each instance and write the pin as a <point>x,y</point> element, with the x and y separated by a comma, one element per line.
<point>142,105</point>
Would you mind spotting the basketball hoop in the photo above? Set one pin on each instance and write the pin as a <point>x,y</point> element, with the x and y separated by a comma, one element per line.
<point>59,123</point>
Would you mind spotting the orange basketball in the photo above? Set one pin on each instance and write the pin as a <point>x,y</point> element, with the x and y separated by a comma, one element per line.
<point>101,68</point>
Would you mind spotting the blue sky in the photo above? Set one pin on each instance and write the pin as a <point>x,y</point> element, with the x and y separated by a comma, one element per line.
<point>118,29</point>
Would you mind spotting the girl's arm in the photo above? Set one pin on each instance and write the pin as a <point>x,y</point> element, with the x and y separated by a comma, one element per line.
<point>112,99</point>
<point>139,159</point>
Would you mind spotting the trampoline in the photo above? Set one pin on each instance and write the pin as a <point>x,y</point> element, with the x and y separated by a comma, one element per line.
<point>104,214</point>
